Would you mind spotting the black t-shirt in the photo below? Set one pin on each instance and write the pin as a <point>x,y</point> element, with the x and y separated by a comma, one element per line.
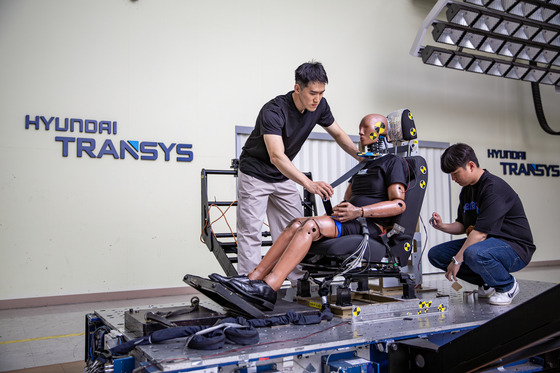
<point>370,185</point>
<point>493,207</point>
<point>280,116</point>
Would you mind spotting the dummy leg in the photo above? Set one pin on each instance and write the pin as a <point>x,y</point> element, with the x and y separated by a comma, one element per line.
<point>276,250</point>
<point>283,257</point>
<point>310,230</point>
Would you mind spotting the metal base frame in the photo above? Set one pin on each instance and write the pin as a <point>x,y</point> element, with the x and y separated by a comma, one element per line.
<point>370,344</point>
<point>531,328</point>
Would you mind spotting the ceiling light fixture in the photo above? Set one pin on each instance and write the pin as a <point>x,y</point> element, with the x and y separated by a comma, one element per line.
<point>514,39</point>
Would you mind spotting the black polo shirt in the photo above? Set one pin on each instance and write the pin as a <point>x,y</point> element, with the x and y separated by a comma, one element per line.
<point>280,116</point>
<point>493,207</point>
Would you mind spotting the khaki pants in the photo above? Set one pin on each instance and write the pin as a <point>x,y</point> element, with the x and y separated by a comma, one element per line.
<point>279,202</point>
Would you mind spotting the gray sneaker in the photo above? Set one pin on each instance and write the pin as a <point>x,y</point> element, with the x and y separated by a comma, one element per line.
<point>503,299</point>
<point>485,291</point>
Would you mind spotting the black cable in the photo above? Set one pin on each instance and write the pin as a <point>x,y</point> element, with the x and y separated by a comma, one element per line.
<point>539,110</point>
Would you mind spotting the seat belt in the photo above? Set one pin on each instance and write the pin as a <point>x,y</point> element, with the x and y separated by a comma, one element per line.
<point>353,171</point>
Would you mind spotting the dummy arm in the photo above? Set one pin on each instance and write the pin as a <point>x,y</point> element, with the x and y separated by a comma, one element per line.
<point>394,206</point>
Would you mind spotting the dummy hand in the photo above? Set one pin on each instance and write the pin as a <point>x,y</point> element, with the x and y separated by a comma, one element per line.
<point>345,211</point>
<point>435,221</point>
<point>321,188</point>
<point>452,270</point>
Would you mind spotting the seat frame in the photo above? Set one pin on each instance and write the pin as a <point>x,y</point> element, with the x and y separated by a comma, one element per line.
<point>400,242</point>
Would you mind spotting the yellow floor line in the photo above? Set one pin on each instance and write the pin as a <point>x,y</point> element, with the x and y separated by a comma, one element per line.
<point>42,338</point>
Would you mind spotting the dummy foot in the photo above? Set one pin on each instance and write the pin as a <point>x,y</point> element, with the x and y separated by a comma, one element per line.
<point>256,292</point>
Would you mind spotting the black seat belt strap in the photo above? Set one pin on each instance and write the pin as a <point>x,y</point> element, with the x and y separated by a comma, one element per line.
<point>353,171</point>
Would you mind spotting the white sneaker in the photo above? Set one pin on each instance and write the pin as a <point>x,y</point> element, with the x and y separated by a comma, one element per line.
<point>485,291</point>
<point>503,299</point>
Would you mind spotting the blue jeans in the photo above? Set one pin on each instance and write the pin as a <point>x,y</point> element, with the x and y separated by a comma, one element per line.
<point>488,262</point>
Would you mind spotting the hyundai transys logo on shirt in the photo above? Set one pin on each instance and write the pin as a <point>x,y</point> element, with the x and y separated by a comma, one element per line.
<point>99,148</point>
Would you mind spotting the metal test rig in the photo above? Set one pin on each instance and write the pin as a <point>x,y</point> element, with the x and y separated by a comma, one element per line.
<point>432,328</point>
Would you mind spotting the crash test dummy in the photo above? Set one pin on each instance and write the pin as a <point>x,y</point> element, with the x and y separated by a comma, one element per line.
<point>377,193</point>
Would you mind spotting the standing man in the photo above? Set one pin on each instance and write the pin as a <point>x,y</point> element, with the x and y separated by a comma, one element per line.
<point>267,177</point>
<point>499,239</point>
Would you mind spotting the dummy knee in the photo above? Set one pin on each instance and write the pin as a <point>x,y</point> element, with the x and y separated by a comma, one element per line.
<point>294,224</point>
<point>311,228</point>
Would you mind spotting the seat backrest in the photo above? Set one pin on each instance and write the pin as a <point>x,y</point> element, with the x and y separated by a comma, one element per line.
<point>400,242</point>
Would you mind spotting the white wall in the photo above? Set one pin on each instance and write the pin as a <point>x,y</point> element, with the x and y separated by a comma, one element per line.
<point>181,71</point>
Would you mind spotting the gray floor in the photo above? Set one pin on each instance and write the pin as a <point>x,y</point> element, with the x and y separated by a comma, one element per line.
<point>35,337</point>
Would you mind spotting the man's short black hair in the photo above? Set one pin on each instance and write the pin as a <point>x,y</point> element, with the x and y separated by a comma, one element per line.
<point>311,72</point>
<point>456,156</point>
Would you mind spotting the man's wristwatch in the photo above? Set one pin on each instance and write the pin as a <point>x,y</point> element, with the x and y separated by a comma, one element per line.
<point>455,261</point>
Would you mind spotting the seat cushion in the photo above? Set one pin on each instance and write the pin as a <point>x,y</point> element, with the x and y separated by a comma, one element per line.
<point>343,246</point>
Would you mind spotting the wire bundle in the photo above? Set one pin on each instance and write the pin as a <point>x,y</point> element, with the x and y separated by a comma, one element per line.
<point>355,259</point>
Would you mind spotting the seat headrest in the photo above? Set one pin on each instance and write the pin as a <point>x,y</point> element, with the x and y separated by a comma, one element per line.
<point>401,126</point>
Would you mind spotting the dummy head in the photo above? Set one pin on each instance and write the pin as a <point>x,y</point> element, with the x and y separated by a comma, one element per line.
<point>372,128</point>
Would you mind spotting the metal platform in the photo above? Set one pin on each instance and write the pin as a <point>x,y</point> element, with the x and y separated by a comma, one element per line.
<point>305,348</point>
